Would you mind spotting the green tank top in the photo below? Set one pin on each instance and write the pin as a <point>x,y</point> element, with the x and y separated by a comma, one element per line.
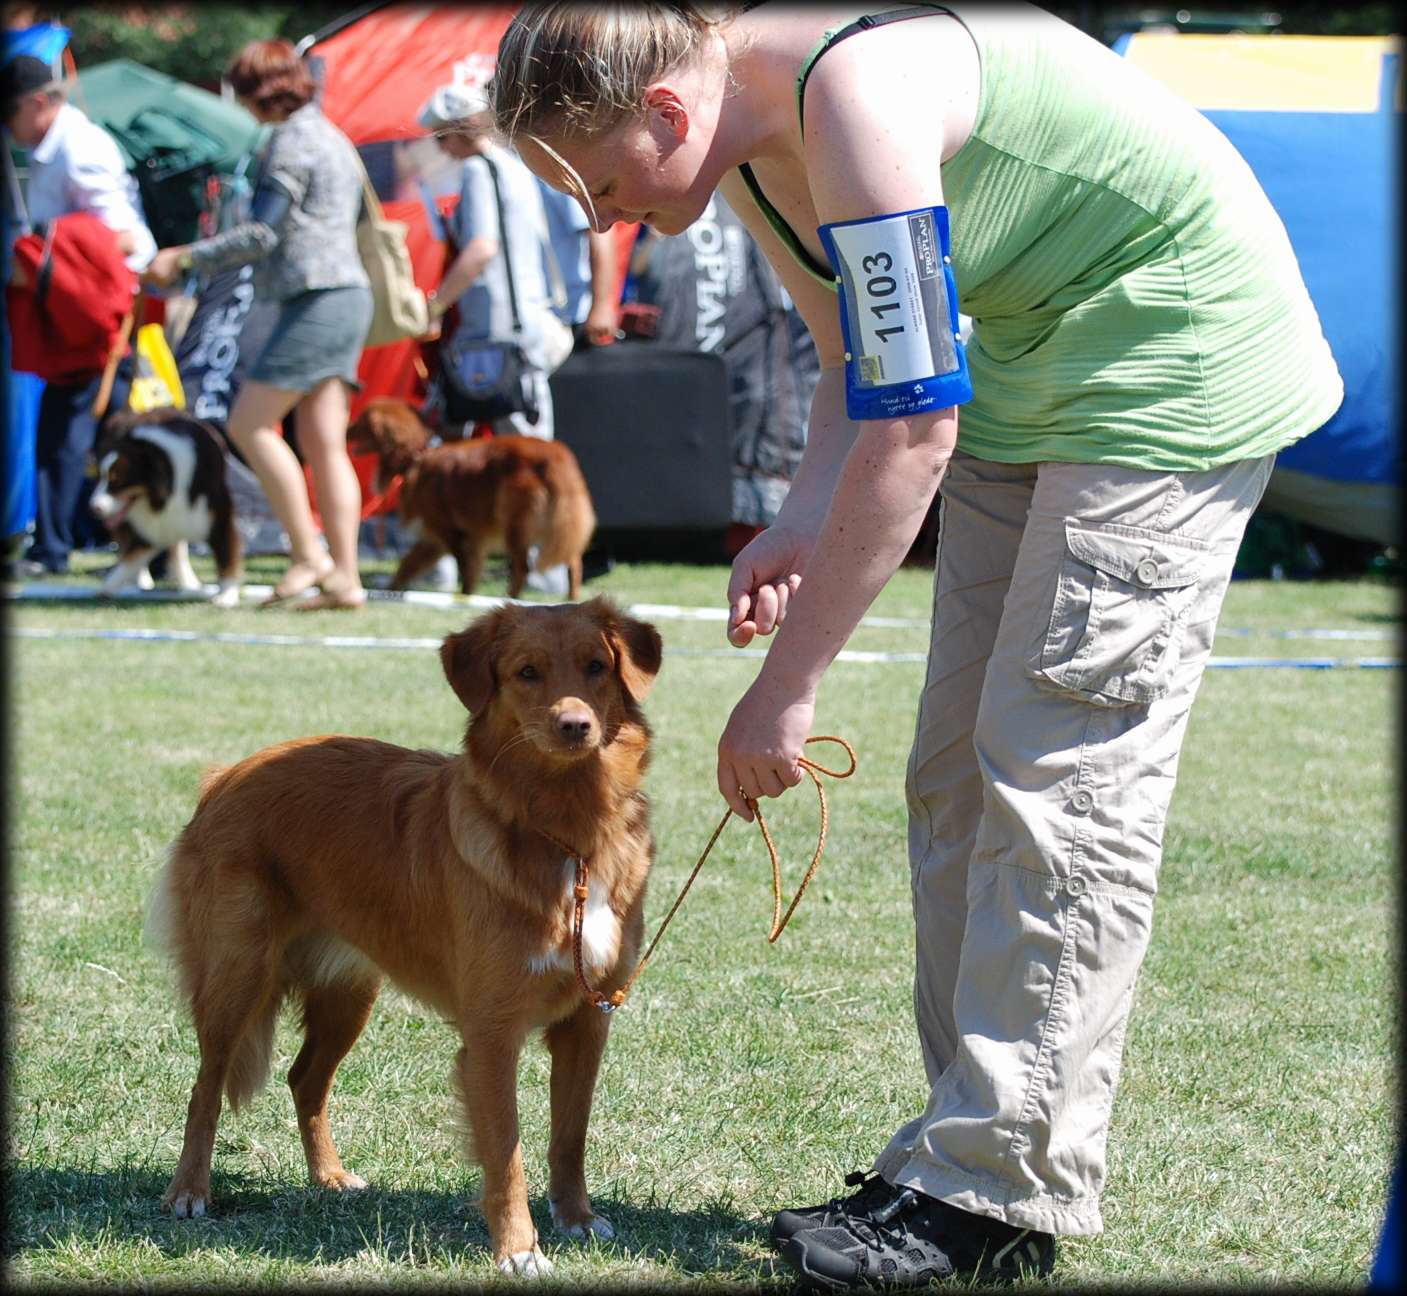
<point>1135,298</point>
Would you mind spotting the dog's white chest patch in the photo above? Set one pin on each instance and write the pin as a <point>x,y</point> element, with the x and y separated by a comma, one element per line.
<point>600,930</point>
<point>184,517</point>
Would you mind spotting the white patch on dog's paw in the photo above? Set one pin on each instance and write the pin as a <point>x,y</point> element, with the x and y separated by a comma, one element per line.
<point>598,1226</point>
<point>227,597</point>
<point>144,580</point>
<point>526,1264</point>
<point>188,1205</point>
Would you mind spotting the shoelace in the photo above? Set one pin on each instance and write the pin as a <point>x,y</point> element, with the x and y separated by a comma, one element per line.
<point>864,1185</point>
<point>877,1227</point>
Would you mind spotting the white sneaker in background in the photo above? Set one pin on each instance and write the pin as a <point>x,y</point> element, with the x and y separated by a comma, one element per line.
<point>444,575</point>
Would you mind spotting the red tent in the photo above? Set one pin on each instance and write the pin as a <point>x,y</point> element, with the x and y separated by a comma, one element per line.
<point>378,65</point>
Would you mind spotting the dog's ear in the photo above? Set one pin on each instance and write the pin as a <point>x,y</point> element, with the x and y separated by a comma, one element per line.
<point>468,659</point>
<point>637,646</point>
<point>406,432</point>
<point>112,429</point>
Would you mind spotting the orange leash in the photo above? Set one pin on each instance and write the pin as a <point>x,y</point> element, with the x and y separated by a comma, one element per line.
<point>609,1003</point>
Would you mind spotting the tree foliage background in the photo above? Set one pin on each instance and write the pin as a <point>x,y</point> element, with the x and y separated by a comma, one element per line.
<point>191,41</point>
<point>195,41</point>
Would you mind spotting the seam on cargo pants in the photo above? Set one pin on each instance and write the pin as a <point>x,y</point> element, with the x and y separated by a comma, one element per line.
<point>1061,985</point>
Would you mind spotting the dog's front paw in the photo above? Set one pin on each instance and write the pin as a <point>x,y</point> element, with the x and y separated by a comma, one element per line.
<point>341,1181</point>
<point>186,1203</point>
<point>526,1264</point>
<point>582,1230</point>
<point>227,597</point>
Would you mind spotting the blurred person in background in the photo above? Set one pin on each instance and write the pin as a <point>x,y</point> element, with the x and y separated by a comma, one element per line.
<point>74,165</point>
<point>302,236</point>
<point>477,280</point>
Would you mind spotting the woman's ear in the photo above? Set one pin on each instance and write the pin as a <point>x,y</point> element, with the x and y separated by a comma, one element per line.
<point>664,105</point>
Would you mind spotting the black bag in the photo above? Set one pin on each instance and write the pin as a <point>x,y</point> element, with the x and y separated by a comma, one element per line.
<point>489,380</point>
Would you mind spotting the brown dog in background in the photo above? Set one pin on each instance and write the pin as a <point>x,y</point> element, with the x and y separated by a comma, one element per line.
<point>467,497</point>
<point>313,868</point>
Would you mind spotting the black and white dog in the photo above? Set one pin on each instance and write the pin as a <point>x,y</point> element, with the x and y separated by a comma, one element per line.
<point>161,484</point>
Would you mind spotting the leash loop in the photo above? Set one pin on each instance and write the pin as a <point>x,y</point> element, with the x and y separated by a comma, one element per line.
<point>608,1003</point>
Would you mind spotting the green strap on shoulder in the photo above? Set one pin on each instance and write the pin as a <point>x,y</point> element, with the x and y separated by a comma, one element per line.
<point>834,36</point>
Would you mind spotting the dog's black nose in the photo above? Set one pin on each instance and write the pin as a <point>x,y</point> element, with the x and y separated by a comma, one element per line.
<point>574,725</point>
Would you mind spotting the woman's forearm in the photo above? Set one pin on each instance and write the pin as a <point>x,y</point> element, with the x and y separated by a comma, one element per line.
<point>467,267</point>
<point>881,496</point>
<point>829,438</point>
<point>238,246</point>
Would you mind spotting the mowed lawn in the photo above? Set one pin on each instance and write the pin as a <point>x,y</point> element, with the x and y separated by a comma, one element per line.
<point>1253,1129</point>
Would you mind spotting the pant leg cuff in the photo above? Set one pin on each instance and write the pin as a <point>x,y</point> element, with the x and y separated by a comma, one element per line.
<point>1076,1217</point>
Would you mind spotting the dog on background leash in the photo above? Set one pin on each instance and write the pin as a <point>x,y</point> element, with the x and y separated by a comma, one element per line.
<point>316,868</point>
<point>468,497</point>
<point>161,485</point>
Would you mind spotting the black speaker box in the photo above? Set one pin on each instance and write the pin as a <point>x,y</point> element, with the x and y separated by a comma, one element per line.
<point>651,429</point>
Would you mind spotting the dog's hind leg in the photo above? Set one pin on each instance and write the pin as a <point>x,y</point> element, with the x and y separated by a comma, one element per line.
<point>576,1045</point>
<point>235,1005</point>
<point>333,1017</point>
<point>419,558</point>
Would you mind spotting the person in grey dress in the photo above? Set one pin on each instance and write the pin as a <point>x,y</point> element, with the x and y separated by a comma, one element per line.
<point>302,235</point>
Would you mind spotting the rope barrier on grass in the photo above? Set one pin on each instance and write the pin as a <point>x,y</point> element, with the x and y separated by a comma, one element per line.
<point>399,644</point>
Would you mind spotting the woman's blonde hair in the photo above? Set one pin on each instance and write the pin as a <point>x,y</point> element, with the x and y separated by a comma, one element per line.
<point>567,69</point>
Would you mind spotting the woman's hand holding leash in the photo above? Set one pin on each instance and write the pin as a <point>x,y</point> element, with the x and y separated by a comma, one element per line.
<point>759,752</point>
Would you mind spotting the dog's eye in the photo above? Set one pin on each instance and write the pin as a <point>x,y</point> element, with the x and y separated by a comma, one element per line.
<point>529,673</point>
<point>595,666</point>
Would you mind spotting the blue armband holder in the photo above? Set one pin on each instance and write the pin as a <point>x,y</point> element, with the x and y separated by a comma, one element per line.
<point>898,314</point>
<point>270,204</point>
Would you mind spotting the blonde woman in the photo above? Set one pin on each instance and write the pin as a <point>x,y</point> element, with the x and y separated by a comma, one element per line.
<point>1142,346</point>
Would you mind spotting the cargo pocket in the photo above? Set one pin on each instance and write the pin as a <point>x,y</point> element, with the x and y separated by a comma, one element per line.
<point>1120,613</point>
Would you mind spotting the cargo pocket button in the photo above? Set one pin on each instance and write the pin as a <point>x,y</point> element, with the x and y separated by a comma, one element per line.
<point>1146,571</point>
<point>1082,801</point>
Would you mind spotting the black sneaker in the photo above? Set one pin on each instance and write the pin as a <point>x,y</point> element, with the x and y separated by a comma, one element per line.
<point>913,1240</point>
<point>871,1190</point>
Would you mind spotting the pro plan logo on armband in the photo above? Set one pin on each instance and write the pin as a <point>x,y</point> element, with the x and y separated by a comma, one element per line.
<point>926,255</point>
<point>898,314</point>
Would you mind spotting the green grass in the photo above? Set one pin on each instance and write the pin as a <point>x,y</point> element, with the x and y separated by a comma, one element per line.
<point>1253,1128</point>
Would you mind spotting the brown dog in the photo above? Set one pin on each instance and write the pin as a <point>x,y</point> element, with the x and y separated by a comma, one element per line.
<point>507,492</point>
<point>313,868</point>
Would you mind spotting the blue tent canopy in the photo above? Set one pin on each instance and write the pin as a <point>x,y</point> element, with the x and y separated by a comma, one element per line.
<point>1316,118</point>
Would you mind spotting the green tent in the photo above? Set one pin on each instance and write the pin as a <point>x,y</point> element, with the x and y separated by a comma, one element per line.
<point>177,139</point>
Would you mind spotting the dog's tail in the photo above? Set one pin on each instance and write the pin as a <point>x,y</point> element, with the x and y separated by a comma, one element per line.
<point>220,980</point>
<point>571,519</point>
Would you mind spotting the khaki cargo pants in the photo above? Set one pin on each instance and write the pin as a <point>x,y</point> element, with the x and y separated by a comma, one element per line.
<point>1074,607</point>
